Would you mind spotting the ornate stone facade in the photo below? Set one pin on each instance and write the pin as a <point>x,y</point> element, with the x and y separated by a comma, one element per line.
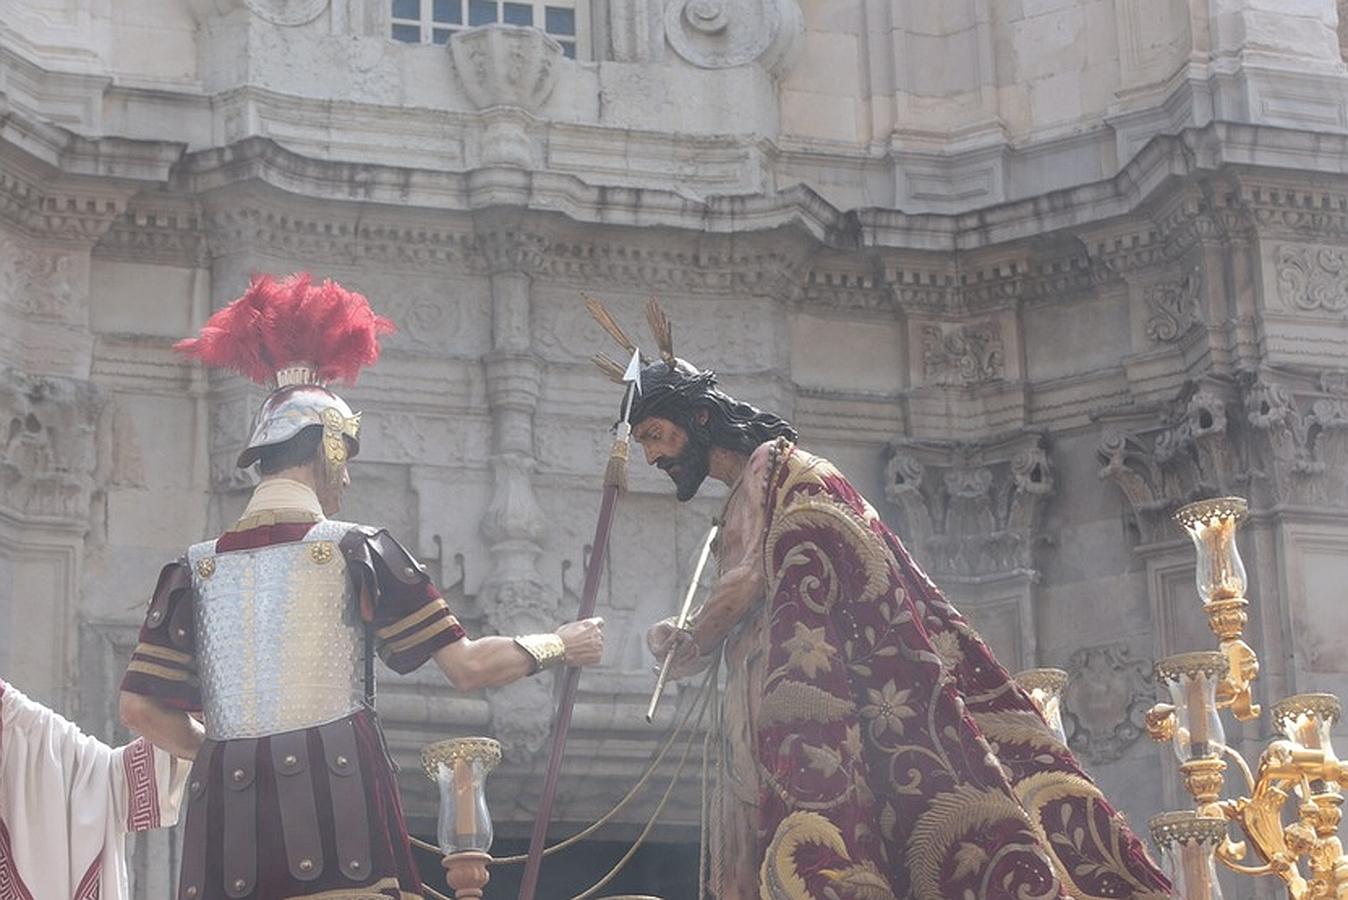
<point>1033,275</point>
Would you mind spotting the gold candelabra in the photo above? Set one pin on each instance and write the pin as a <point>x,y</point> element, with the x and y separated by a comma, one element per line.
<point>1299,770</point>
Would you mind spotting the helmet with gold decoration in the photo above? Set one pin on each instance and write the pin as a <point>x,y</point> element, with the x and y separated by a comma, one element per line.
<point>295,336</point>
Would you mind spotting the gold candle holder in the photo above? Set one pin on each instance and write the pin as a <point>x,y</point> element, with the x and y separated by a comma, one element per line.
<point>1192,680</point>
<point>459,767</point>
<point>1188,843</point>
<point>1300,768</point>
<point>1221,582</point>
<point>1045,687</point>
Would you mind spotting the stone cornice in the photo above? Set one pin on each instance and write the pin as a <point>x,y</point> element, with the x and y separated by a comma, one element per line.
<point>167,231</point>
<point>58,185</point>
<point>1121,198</point>
<point>1192,152</point>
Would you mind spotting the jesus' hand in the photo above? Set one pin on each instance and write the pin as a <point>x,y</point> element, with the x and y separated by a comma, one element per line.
<point>688,658</point>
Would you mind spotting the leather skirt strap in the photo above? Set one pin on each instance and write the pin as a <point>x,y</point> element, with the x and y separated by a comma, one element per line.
<point>299,812</point>
<point>239,807</point>
<point>349,807</point>
<point>192,879</point>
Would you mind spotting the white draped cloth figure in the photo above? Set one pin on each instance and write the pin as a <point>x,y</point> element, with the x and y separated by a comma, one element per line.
<point>68,801</point>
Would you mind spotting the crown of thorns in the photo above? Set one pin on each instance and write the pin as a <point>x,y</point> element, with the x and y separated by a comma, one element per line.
<point>661,328</point>
<point>665,381</point>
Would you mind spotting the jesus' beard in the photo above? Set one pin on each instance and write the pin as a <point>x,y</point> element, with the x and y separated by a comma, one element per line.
<point>691,467</point>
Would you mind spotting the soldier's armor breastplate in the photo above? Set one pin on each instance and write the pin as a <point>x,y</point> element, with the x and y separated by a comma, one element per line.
<point>280,643</point>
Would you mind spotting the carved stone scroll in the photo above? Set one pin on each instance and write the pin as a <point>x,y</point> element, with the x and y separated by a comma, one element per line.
<point>959,355</point>
<point>721,34</point>
<point>1313,279</point>
<point>1172,308</point>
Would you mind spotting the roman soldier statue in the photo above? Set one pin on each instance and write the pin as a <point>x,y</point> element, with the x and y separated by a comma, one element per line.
<point>871,745</point>
<point>256,655</point>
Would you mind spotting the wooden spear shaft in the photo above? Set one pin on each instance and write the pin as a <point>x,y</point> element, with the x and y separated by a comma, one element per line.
<point>615,482</point>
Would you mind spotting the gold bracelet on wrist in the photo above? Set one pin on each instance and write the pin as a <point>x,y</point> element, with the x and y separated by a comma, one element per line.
<point>546,650</point>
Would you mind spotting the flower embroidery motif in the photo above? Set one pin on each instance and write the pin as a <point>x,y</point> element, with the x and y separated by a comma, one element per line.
<point>947,646</point>
<point>887,708</point>
<point>809,651</point>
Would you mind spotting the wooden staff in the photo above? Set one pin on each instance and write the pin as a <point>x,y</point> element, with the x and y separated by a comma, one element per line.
<point>615,482</point>
<point>682,621</point>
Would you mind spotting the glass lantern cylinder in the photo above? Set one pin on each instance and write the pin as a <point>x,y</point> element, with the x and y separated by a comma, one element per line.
<point>1188,842</point>
<point>1306,720</point>
<point>1192,679</point>
<point>1212,524</point>
<point>1045,687</point>
<point>459,767</point>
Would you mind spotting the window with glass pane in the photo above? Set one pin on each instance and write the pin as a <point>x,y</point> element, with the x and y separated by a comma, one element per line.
<point>436,21</point>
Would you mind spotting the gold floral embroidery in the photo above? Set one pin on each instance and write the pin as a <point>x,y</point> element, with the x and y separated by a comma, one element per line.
<point>795,701</point>
<point>778,875</point>
<point>947,646</point>
<point>1047,790</point>
<point>958,814</point>
<point>825,759</point>
<point>887,709</point>
<point>809,651</point>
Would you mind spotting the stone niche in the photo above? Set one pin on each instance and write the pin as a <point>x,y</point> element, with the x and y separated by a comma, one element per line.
<point>972,514</point>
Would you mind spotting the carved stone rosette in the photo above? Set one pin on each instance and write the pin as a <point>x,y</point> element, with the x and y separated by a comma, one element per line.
<point>721,34</point>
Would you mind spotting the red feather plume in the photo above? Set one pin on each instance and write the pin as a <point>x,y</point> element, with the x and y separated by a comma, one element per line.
<point>278,323</point>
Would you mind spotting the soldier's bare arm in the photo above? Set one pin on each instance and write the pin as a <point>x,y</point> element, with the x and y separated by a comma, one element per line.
<point>471,664</point>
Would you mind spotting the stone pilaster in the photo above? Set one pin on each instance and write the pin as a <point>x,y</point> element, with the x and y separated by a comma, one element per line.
<point>514,597</point>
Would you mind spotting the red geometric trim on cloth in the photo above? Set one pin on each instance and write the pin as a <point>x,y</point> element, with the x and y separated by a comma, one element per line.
<point>11,885</point>
<point>89,888</point>
<point>143,804</point>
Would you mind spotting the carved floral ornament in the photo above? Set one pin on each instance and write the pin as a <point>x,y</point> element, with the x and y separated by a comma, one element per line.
<point>1290,434</point>
<point>506,65</point>
<point>960,355</point>
<point>1173,308</point>
<point>61,441</point>
<point>1313,278</point>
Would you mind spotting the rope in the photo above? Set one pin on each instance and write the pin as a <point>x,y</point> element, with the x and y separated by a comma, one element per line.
<point>707,861</point>
<point>636,788</point>
<point>434,893</point>
<point>660,807</point>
